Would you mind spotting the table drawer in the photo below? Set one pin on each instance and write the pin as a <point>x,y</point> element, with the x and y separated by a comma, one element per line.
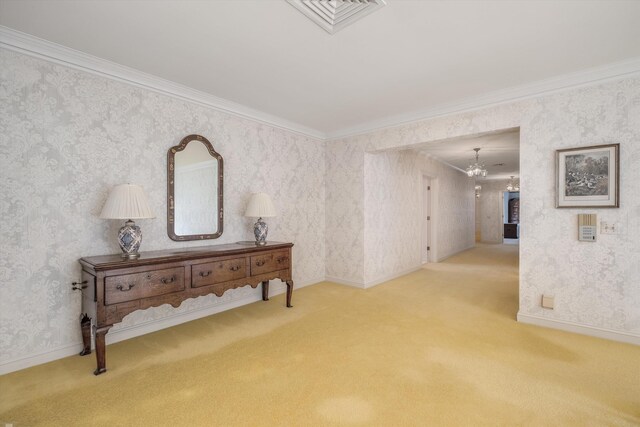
<point>218,272</point>
<point>129,287</point>
<point>269,262</point>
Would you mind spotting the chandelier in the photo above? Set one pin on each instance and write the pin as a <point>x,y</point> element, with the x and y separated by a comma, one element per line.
<point>513,185</point>
<point>477,168</point>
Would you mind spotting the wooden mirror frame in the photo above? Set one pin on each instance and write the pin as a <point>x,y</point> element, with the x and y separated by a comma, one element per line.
<point>171,190</point>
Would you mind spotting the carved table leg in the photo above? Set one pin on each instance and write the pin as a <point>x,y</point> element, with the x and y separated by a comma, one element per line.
<point>289,292</point>
<point>265,290</point>
<point>85,326</point>
<point>100,349</point>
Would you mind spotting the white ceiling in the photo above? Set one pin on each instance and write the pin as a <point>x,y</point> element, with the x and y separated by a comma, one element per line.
<point>499,151</point>
<point>404,59</point>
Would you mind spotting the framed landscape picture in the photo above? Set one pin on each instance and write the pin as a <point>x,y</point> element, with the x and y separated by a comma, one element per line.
<point>588,177</point>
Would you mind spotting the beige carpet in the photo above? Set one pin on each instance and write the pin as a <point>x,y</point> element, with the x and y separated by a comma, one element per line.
<point>436,347</point>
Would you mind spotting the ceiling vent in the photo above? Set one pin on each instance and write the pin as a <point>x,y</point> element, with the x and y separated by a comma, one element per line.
<point>334,15</point>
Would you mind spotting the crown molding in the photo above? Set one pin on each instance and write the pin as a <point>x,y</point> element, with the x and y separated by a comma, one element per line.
<point>30,45</point>
<point>438,159</point>
<point>560,83</point>
<point>53,52</point>
<point>491,177</point>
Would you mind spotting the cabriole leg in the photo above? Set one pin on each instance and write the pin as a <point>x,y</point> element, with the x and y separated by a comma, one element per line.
<point>265,290</point>
<point>289,292</point>
<point>101,349</point>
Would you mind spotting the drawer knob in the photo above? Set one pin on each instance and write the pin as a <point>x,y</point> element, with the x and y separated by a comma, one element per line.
<point>205,273</point>
<point>121,289</point>
<point>281,259</point>
<point>261,262</point>
<point>165,280</point>
<point>234,268</point>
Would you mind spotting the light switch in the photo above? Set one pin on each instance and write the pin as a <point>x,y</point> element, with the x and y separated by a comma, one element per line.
<point>608,228</point>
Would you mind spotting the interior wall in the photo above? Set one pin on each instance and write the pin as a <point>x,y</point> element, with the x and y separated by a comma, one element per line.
<point>454,220</point>
<point>392,223</point>
<point>344,216</point>
<point>67,137</point>
<point>594,284</point>
<point>393,212</point>
<point>491,206</point>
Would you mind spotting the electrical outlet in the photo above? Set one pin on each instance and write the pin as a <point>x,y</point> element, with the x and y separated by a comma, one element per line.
<point>547,301</point>
<point>608,228</point>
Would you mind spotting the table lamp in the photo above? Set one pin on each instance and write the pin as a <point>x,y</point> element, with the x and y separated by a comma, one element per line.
<point>260,206</point>
<point>127,201</point>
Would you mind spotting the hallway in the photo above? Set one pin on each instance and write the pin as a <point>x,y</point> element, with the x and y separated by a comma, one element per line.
<point>482,277</point>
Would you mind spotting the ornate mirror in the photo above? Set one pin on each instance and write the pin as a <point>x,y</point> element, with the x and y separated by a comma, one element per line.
<point>194,190</point>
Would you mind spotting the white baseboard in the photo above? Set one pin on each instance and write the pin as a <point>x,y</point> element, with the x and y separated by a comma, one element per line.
<point>126,333</point>
<point>340,281</point>
<point>371,283</point>
<point>387,277</point>
<point>40,358</point>
<point>578,328</point>
<point>455,253</point>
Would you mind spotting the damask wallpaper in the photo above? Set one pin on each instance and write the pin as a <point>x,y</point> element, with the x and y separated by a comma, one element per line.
<point>393,211</point>
<point>67,137</point>
<point>595,284</point>
<point>344,213</point>
<point>454,217</point>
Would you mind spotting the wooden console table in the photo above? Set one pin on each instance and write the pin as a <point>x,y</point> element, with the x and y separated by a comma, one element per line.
<point>114,287</point>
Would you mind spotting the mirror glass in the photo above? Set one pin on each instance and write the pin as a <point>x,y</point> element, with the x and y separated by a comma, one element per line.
<point>194,190</point>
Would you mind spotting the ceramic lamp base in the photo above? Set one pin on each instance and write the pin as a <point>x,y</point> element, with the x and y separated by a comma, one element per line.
<point>129,239</point>
<point>260,230</point>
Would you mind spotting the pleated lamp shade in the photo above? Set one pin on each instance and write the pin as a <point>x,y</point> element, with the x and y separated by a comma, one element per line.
<point>126,201</point>
<point>260,206</point>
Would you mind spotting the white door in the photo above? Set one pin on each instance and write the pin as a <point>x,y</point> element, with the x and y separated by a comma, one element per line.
<point>426,219</point>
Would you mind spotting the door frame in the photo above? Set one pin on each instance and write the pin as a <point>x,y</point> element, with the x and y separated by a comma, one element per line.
<point>428,201</point>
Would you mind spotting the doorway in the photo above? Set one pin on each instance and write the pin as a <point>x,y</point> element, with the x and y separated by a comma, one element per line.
<point>511,217</point>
